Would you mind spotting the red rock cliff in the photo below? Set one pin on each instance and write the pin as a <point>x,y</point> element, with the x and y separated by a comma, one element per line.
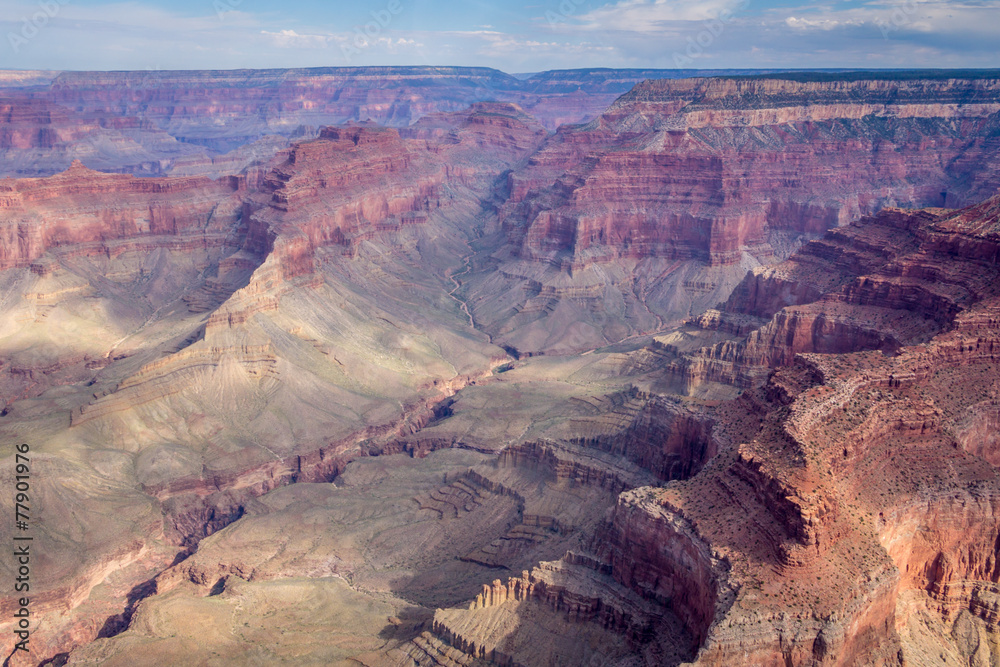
<point>708,168</point>
<point>96,213</point>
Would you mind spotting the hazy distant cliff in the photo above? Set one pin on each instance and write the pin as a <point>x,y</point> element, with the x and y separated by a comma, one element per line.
<point>727,172</point>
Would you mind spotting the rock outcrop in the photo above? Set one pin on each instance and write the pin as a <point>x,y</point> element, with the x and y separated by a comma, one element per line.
<point>896,279</point>
<point>284,391</point>
<point>98,213</point>
<point>848,494</point>
<point>217,299</point>
<point>661,204</point>
<point>222,122</point>
<point>850,514</point>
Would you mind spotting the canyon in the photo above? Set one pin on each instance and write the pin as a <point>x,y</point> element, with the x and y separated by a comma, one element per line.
<point>655,210</point>
<point>606,370</point>
<point>214,123</point>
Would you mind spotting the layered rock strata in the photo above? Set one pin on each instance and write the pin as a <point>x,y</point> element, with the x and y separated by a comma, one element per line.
<point>659,206</point>
<point>103,214</point>
<point>838,508</point>
<point>848,495</point>
<point>221,122</point>
<point>849,516</point>
<point>893,280</point>
<point>227,304</point>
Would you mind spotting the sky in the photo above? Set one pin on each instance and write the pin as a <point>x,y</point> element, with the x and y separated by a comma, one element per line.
<point>513,36</point>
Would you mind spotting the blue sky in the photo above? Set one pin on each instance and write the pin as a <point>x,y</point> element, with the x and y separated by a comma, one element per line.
<point>512,36</point>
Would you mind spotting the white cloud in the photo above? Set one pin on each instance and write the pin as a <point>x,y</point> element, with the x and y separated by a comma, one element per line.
<point>808,24</point>
<point>876,33</point>
<point>624,33</point>
<point>922,16</point>
<point>289,39</point>
<point>646,16</point>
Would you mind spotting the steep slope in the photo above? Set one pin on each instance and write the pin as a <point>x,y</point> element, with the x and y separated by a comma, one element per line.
<point>877,284</point>
<point>131,247</point>
<point>854,496</point>
<point>262,408</point>
<point>841,511</point>
<point>221,122</point>
<point>93,211</point>
<point>655,210</point>
<point>321,331</point>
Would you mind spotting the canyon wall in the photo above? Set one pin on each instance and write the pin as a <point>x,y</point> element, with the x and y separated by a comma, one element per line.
<point>847,512</point>
<point>183,352</point>
<point>222,122</point>
<point>96,213</point>
<point>859,476</point>
<point>183,323</point>
<point>659,206</point>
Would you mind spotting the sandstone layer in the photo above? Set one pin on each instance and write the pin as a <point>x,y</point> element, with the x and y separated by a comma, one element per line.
<point>221,122</point>
<point>193,344</point>
<point>283,416</point>
<point>847,497</point>
<point>839,511</point>
<point>659,207</point>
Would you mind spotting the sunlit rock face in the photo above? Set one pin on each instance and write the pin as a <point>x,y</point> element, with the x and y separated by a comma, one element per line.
<point>656,209</point>
<point>299,412</point>
<point>841,510</point>
<point>172,331</point>
<point>866,464</point>
<point>221,122</point>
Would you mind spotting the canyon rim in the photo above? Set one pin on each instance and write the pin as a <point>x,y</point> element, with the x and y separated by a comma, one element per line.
<point>414,365</point>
